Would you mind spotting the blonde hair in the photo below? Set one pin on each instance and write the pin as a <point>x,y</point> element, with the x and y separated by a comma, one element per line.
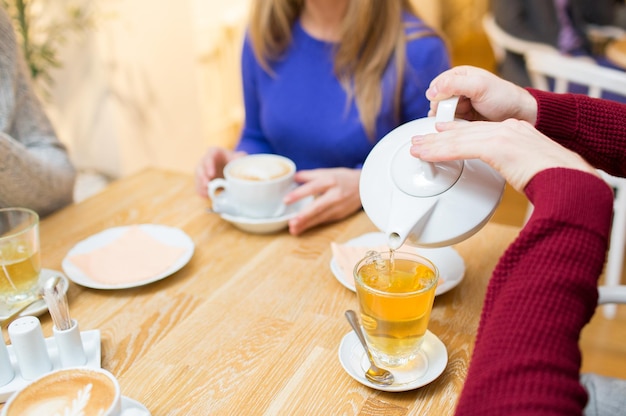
<point>372,34</point>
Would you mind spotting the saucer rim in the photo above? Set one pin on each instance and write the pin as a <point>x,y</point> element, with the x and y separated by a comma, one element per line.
<point>40,307</point>
<point>371,238</point>
<point>433,347</point>
<point>291,211</point>
<point>130,403</point>
<point>271,225</point>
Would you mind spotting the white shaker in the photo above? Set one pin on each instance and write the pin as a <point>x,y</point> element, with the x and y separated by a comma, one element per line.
<point>6,369</point>
<point>65,329</point>
<point>30,347</point>
<point>70,345</point>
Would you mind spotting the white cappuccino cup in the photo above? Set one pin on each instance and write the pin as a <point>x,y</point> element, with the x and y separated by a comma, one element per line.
<point>69,391</point>
<point>253,186</point>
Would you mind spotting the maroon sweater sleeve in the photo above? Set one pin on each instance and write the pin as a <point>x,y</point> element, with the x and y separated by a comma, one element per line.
<point>526,359</point>
<point>592,127</point>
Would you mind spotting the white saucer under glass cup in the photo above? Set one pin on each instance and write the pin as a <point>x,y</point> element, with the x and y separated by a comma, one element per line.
<point>253,186</point>
<point>395,291</point>
<point>20,259</point>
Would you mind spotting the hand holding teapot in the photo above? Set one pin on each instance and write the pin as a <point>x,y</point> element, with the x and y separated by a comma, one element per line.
<point>422,203</point>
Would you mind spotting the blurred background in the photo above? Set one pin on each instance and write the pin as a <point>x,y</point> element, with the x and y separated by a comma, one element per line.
<point>138,83</point>
<point>143,83</point>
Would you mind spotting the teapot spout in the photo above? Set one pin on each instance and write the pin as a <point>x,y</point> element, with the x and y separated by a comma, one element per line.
<point>395,239</point>
<point>406,225</point>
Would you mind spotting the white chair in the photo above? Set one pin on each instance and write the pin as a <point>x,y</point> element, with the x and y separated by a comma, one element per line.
<point>564,70</point>
<point>544,61</point>
<point>611,295</point>
<point>502,41</point>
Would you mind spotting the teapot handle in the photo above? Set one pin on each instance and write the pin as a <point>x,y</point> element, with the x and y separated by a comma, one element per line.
<point>446,109</point>
<point>445,112</point>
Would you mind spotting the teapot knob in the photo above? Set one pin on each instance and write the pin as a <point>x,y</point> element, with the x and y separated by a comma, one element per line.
<point>416,177</point>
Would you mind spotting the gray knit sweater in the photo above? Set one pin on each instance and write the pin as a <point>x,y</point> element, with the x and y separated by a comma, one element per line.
<point>35,170</point>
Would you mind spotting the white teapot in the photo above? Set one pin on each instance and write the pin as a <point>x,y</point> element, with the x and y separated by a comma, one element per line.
<point>422,203</point>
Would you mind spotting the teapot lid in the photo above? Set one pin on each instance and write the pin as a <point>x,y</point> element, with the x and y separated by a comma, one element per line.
<point>422,203</point>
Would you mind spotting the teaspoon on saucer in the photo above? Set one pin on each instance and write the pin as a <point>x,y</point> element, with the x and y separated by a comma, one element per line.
<point>6,321</point>
<point>374,374</point>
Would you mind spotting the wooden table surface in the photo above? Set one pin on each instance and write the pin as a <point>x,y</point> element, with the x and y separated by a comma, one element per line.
<point>252,324</point>
<point>616,52</point>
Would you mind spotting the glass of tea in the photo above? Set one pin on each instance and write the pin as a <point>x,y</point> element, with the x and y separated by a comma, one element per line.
<point>20,260</point>
<point>395,291</point>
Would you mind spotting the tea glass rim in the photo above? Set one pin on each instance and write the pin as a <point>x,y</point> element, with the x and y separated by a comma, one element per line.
<point>33,216</point>
<point>424,260</point>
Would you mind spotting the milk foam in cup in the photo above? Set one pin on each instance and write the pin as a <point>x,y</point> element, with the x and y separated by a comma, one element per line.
<point>253,186</point>
<point>73,391</point>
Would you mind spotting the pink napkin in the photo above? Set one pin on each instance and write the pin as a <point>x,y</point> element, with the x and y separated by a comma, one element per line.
<point>134,256</point>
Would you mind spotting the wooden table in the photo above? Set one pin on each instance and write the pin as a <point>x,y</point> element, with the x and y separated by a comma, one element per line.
<point>252,324</point>
<point>616,52</point>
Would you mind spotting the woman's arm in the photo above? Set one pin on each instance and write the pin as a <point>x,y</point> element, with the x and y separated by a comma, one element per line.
<point>36,170</point>
<point>252,139</point>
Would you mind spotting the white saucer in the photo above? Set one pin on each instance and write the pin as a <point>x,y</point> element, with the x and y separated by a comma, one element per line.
<point>449,262</point>
<point>40,306</point>
<point>266,225</point>
<point>168,235</point>
<point>354,361</point>
<point>132,407</point>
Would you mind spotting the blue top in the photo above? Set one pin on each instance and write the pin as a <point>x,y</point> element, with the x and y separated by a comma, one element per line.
<point>300,111</point>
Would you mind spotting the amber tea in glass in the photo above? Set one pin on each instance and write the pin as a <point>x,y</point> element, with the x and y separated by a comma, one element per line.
<point>20,261</point>
<point>395,291</point>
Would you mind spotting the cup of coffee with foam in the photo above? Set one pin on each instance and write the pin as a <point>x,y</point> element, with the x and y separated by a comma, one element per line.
<point>69,391</point>
<point>253,186</point>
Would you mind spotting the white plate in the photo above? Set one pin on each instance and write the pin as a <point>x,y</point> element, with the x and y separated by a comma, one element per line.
<point>40,306</point>
<point>133,407</point>
<point>267,225</point>
<point>354,361</point>
<point>449,262</point>
<point>167,235</point>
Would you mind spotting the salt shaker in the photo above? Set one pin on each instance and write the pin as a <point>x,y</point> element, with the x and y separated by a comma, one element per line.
<point>30,347</point>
